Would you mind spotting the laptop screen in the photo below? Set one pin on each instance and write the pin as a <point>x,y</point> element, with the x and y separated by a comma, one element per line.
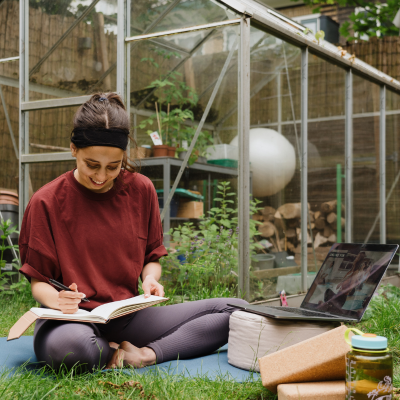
<point>348,278</point>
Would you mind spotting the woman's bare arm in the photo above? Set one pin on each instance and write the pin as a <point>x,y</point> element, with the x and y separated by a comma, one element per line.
<point>150,275</point>
<point>45,294</point>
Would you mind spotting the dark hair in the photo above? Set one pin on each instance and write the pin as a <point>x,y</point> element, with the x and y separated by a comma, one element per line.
<point>106,111</point>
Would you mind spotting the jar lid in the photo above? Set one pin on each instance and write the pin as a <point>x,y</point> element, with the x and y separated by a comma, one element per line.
<point>369,341</point>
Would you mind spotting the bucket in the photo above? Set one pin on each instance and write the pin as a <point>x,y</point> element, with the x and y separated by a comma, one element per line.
<point>263,261</point>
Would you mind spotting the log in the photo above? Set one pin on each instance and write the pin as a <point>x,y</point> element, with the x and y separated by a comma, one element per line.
<point>268,213</point>
<point>312,225</point>
<point>328,206</point>
<point>311,216</point>
<point>331,218</point>
<point>267,229</point>
<point>290,210</point>
<point>298,231</point>
<point>317,214</point>
<point>277,215</point>
<point>332,238</point>
<point>327,231</point>
<point>290,246</point>
<point>279,224</point>
<point>293,223</point>
<point>342,223</point>
<point>258,217</point>
<point>319,239</point>
<point>290,233</point>
<point>320,223</point>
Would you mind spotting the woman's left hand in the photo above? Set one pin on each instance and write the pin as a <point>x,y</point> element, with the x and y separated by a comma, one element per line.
<point>151,286</point>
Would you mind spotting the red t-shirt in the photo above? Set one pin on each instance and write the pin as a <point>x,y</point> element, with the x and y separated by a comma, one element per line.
<point>100,241</point>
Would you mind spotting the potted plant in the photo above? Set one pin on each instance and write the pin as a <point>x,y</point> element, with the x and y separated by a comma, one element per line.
<point>199,153</point>
<point>171,110</point>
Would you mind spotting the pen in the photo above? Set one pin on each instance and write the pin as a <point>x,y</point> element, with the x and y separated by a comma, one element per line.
<point>63,287</point>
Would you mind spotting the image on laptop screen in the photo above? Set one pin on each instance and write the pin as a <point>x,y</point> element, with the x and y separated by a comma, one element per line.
<point>348,278</point>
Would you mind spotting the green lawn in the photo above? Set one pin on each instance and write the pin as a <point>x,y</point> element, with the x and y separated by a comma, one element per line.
<point>383,318</point>
<point>111,385</point>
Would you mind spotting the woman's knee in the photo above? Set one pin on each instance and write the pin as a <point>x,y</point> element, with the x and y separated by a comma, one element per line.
<point>226,304</point>
<point>69,347</point>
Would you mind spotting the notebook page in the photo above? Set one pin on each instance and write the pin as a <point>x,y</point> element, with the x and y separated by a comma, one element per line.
<point>49,313</point>
<point>106,310</point>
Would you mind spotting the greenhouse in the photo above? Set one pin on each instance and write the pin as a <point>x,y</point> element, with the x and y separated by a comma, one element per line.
<point>286,140</point>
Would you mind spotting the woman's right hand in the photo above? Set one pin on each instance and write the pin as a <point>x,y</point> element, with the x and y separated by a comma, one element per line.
<point>68,302</point>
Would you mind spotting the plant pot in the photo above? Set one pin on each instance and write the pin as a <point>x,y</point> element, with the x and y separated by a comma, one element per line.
<point>264,261</point>
<point>182,155</point>
<point>160,150</point>
<point>201,159</point>
<point>171,151</point>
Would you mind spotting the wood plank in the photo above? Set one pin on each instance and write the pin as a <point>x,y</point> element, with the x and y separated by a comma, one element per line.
<point>273,273</point>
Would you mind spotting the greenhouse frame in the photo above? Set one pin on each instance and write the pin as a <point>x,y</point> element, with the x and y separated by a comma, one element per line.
<point>335,110</point>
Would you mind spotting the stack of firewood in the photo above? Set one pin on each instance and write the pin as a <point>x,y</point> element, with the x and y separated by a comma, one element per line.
<point>282,226</point>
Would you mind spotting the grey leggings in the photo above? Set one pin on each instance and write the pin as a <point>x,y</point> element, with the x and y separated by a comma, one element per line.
<point>184,330</point>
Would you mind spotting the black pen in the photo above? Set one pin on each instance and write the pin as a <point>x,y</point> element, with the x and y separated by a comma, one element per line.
<point>63,287</point>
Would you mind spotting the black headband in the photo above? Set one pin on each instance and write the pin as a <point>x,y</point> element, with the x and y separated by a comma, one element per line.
<point>114,137</point>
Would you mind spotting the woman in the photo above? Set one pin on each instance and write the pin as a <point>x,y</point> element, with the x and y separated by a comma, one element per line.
<point>97,229</point>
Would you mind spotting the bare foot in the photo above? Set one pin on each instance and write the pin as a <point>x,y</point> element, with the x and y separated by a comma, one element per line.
<point>128,354</point>
<point>113,345</point>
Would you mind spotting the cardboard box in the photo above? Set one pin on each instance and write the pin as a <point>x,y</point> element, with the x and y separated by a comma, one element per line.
<point>190,209</point>
<point>321,358</point>
<point>312,391</point>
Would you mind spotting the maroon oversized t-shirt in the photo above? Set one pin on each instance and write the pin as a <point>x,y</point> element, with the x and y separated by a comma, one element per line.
<point>100,241</point>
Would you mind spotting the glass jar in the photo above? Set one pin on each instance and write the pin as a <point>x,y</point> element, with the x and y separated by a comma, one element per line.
<point>369,368</point>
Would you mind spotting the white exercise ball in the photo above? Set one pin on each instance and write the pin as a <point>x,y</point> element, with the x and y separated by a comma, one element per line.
<point>273,161</point>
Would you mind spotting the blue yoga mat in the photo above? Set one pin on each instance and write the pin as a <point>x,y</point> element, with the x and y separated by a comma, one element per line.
<point>17,352</point>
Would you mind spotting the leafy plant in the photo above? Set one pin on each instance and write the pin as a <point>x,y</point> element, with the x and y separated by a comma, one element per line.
<point>7,230</point>
<point>21,286</point>
<point>375,19</point>
<point>206,260</point>
<point>173,109</point>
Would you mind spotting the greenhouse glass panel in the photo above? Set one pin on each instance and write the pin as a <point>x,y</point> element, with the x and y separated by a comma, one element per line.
<point>72,48</point>
<point>169,93</point>
<point>42,173</point>
<point>392,169</point>
<point>50,130</point>
<point>326,160</point>
<point>158,16</point>
<point>366,106</point>
<point>275,165</point>
<point>9,29</point>
<point>9,136</point>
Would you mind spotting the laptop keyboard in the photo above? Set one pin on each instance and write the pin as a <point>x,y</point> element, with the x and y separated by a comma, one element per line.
<point>301,311</point>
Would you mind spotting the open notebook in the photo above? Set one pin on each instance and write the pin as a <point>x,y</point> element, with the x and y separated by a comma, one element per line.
<point>100,315</point>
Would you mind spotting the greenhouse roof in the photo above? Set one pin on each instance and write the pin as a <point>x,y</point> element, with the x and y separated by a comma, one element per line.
<point>296,34</point>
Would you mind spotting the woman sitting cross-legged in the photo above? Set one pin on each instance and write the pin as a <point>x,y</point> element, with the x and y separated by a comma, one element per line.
<point>97,229</point>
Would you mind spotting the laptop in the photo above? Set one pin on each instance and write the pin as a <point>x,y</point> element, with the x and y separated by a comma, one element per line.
<point>342,288</point>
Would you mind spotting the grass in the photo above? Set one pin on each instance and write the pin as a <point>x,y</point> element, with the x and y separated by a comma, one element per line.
<point>382,318</point>
<point>126,384</point>
<point>120,385</point>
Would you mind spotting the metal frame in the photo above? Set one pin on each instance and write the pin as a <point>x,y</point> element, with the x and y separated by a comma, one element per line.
<point>270,22</point>
<point>303,166</point>
<point>349,156</point>
<point>382,163</point>
<point>4,60</point>
<point>183,30</point>
<point>244,158</point>
<point>23,97</point>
